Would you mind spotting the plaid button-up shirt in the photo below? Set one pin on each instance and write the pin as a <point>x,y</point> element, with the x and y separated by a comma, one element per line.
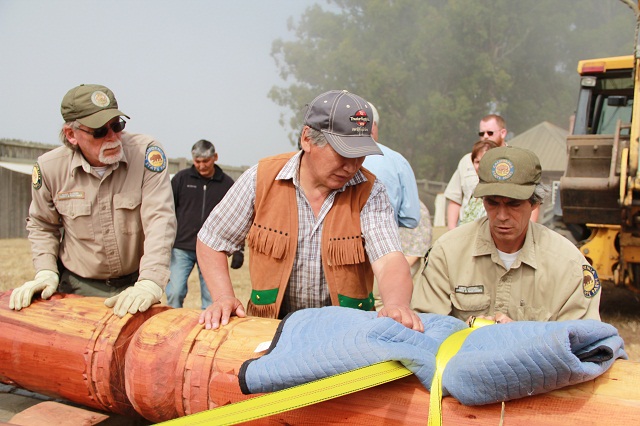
<point>228,224</point>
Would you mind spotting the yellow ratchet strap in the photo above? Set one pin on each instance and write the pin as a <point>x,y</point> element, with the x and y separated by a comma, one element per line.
<point>297,396</point>
<point>446,351</point>
<point>324,389</point>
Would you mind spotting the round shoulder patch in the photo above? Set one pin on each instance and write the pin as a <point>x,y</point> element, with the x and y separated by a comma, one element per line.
<point>154,159</point>
<point>36,177</point>
<point>502,169</point>
<point>590,281</point>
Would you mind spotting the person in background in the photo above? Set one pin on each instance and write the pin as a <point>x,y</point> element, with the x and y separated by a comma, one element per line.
<point>475,208</point>
<point>417,241</point>
<point>318,226</point>
<point>460,188</point>
<point>504,267</point>
<point>102,220</point>
<point>395,172</point>
<point>196,191</point>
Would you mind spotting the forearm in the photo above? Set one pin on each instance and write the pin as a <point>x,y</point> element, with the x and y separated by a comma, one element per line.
<point>215,271</point>
<point>156,261</point>
<point>45,245</point>
<point>158,220</point>
<point>394,279</point>
<point>453,214</point>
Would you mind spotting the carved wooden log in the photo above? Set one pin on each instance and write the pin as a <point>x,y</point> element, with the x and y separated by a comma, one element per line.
<point>175,367</point>
<point>69,347</point>
<point>75,348</point>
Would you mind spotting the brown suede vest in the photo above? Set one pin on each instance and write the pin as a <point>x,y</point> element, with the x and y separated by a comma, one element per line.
<point>273,239</point>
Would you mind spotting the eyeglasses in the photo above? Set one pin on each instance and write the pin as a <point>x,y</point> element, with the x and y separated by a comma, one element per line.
<point>101,132</point>
<point>488,132</point>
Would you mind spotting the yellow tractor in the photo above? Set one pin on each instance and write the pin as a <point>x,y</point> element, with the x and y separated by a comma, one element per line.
<point>600,189</point>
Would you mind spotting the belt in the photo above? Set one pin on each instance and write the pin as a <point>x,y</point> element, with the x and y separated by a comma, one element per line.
<point>123,281</point>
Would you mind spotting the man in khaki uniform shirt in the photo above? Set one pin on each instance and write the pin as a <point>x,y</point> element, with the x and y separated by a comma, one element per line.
<point>102,221</point>
<point>503,266</point>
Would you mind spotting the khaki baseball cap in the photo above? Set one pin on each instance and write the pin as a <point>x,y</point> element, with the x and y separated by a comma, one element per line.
<point>91,104</point>
<point>345,120</point>
<point>508,172</point>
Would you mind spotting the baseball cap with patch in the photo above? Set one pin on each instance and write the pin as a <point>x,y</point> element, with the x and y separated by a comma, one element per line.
<point>508,171</point>
<point>91,104</point>
<point>345,120</point>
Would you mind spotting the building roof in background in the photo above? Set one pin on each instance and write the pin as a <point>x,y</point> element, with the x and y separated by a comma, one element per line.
<point>548,141</point>
<point>17,167</point>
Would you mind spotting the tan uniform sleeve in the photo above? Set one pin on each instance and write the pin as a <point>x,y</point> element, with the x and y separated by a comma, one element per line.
<point>579,306</point>
<point>159,225</point>
<point>43,225</point>
<point>431,290</point>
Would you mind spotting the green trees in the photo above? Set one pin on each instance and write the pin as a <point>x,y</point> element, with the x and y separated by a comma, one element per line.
<point>433,68</point>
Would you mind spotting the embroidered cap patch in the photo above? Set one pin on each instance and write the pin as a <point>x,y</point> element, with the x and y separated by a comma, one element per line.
<point>100,99</point>
<point>502,169</point>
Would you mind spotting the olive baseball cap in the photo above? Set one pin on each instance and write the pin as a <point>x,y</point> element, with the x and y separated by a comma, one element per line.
<point>345,120</point>
<point>508,172</point>
<point>91,104</point>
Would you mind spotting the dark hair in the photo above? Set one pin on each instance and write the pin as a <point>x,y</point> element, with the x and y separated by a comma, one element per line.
<point>480,146</point>
<point>539,193</point>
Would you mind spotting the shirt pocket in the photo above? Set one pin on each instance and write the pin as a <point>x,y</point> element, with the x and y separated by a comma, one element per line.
<point>532,313</point>
<point>127,212</point>
<point>465,305</point>
<point>76,219</point>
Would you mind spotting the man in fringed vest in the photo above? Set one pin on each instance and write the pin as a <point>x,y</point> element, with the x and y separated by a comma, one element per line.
<point>318,226</point>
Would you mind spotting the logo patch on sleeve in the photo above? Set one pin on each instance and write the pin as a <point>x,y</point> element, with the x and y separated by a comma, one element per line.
<point>154,159</point>
<point>590,281</point>
<point>36,177</point>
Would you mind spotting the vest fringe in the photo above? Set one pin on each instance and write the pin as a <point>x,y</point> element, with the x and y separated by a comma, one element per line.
<point>267,242</point>
<point>262,311</point>
<point>346,252</point>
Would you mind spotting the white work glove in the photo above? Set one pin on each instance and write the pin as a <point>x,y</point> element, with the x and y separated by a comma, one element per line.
<point>140,297</point>
<point>45,281</point>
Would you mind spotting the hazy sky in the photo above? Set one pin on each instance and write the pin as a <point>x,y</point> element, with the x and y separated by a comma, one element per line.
<point>183,70</point>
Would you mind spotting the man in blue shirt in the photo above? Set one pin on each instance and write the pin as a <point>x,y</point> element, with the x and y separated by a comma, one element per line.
<point>395,172</point>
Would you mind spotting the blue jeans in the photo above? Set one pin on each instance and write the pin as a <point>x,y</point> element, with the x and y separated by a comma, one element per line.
<point>182,263</point>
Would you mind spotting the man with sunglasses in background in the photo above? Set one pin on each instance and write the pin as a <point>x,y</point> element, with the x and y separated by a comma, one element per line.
<point>101,221</point>
<point>464,180</point>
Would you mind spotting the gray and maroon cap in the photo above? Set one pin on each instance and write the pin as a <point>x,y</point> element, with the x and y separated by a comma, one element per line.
<point>345,120</point>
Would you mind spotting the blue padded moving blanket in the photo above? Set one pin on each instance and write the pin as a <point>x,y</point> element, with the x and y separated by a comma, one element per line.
<point>496,363</point>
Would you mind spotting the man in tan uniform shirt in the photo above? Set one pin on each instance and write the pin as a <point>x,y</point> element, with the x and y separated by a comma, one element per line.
<point>102,221</point>
<point>505,267</point>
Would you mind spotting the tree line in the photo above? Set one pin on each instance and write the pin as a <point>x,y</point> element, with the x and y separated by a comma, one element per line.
<point>433,68</point>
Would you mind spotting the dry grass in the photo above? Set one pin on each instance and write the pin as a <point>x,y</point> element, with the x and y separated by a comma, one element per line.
<point>620,307</point>
<point>16,268</point>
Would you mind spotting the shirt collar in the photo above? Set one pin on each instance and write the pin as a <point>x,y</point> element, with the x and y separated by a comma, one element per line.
<point>292,167</point>
<point>485,245</point>
<point>78,161</point>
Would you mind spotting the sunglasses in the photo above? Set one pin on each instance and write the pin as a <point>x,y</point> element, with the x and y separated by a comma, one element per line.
<point>101,132</point>
<point>488,132</point>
